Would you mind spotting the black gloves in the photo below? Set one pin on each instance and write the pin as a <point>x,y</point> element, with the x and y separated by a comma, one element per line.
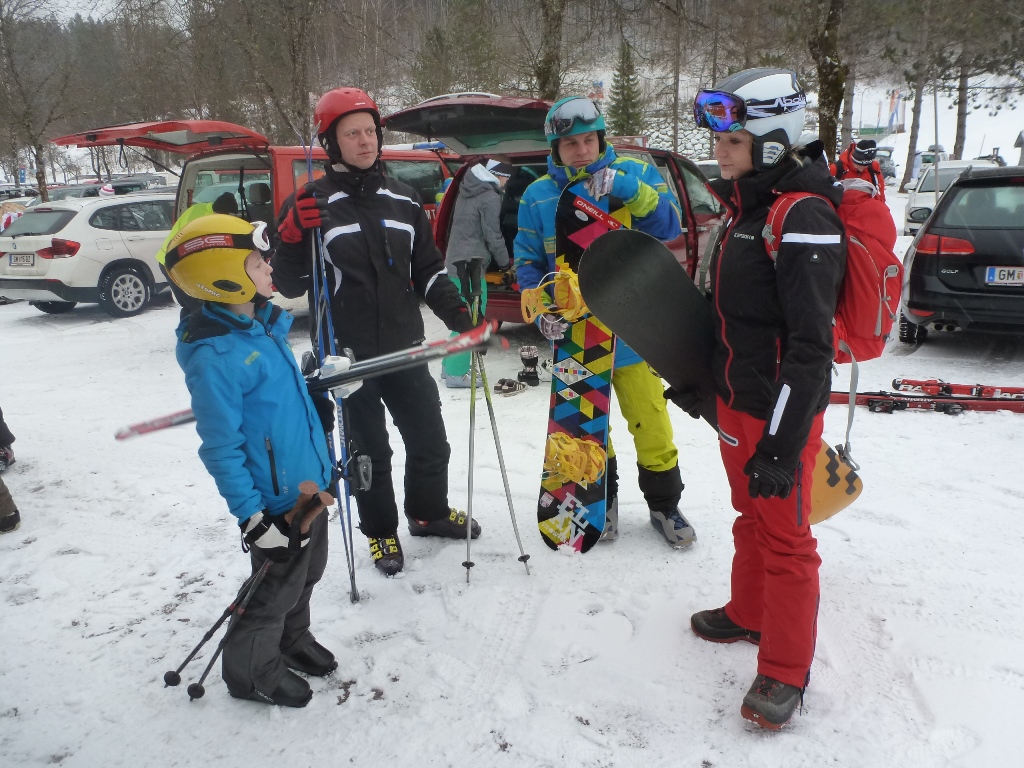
<point>768,477</point>
<point>280,537</point>
<point>688,400</point>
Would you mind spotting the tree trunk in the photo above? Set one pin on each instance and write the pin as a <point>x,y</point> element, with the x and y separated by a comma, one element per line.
<point>848,88</point>
<point>824,49</point>
<point>961,112</point>
<point>915,130</point>
<point>549,66</point>
<point>39,154</point>
<point>677,59</point>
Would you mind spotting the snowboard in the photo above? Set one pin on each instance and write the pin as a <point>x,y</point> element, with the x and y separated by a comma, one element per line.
<point>634,284</point>
<point>571,507</point>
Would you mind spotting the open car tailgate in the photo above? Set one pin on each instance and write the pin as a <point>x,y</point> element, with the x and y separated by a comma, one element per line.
<point>477,123</point>
<point>185,137</point>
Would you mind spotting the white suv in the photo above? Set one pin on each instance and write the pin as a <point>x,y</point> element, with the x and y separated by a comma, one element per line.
<point>922,196</point>
<point>91,250</point>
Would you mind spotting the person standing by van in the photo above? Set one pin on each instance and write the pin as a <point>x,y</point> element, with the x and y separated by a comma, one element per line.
<point>575,131</point>
<point>474,239</point>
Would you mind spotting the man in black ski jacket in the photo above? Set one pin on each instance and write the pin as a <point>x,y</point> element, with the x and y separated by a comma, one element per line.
<point>380,261</point>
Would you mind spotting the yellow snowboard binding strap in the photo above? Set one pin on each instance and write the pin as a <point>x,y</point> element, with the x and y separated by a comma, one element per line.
<point>565,287</point>
<point>574,460</point>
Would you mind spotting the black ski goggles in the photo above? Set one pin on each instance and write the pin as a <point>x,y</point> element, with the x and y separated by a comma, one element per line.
<point>565,117</point>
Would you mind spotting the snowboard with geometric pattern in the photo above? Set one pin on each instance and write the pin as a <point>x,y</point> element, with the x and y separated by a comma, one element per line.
<point>571,512</point>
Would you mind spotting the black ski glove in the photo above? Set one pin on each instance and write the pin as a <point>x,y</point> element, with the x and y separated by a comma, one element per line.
<point>688,400</point>
<point>768,477</point>
<point>280,537</point>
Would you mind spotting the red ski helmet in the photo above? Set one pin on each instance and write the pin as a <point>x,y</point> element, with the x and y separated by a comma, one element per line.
<point>333,106</point>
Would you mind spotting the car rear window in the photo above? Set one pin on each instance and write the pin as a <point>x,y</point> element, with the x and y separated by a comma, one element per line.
<point>974,206</point>
<point>36,222</point>
<point>425,176</point>
<point>946,176</point>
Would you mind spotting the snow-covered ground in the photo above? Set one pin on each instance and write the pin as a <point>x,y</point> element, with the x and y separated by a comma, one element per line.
<point>126,555</point>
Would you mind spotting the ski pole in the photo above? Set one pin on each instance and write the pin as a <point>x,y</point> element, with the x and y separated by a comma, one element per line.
<point>475,304</point>
<point>196,690</point>
<point>322,326</point>
<point>173,677</point>
<point>523,557</point>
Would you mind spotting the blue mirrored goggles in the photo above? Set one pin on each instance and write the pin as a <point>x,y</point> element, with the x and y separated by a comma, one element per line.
<point>568,114</point>
<point>719,111</point>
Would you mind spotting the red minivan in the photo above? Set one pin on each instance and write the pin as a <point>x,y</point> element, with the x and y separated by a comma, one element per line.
<point>223,157</point>
<point>480,125</point>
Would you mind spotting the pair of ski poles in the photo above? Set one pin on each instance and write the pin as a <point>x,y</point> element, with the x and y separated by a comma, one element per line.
<point>325,345</point>
<point>470,274</point>
<point>238,605</point>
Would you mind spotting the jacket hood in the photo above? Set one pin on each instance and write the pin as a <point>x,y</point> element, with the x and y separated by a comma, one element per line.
<point>805,170</point>
<point>213,321</point>
<point>478,180</point>
<point>566,174</point>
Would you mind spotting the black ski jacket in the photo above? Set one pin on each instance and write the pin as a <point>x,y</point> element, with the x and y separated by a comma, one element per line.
<point>773,319</point>
<point>381,261</point>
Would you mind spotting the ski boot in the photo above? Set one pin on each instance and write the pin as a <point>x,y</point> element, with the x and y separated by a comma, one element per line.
<point>313,660</point>
<point>529,375</point>
<point>715,626</point>
<point>770,703</point>
<point>6,457</point>
<point>387,554</point>
<point>292,691</point>
<point>611,521</point>
<point>451,527</point>
<point>674,527</point>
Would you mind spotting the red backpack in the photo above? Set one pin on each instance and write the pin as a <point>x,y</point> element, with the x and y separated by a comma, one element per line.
<point>869,296</point>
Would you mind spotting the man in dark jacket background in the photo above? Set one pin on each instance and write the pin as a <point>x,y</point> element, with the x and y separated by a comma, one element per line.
<point>380,261</point>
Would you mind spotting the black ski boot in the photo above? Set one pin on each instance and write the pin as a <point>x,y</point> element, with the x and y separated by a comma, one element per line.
<point>387,555</point>
<point>451,527</point>
<point>292,691</point>
<point>770,703</point>
<point>529,373</point>
<point>313,660</point>
<point>716,627</point>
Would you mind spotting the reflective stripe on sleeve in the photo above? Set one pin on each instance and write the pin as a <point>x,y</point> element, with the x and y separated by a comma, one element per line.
<point>780,407</point>
<point>800,237</point>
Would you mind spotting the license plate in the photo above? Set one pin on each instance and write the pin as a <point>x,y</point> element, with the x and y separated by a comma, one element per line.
<point>1004,275</point>
<point>23,259</point>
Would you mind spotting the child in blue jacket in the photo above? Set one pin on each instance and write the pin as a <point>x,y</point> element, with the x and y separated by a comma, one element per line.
<point>261,438</point>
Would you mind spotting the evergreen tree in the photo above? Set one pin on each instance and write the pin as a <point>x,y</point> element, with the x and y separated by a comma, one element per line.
<point>626,108</point>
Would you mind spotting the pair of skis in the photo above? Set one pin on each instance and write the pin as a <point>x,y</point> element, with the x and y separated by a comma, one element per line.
<point>938,396</point>
<point>359,371</point>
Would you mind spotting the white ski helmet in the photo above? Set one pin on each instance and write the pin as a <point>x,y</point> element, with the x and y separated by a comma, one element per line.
<point>775,106</point>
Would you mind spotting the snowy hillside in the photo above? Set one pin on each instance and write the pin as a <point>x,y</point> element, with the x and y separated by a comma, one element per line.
<point>126,555</point>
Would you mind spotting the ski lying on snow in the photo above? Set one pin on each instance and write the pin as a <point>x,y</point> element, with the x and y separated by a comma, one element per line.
<point>365,369</point>
<point>936,387</point>
<point>888,402</point>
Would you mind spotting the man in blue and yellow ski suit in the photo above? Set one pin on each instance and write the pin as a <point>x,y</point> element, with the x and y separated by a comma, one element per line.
<point>576,132</point>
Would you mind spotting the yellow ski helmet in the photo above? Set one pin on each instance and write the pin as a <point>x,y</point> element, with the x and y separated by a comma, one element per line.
<point>206,259</point>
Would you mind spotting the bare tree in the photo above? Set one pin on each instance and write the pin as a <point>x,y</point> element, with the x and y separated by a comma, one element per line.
<point>36,74</point>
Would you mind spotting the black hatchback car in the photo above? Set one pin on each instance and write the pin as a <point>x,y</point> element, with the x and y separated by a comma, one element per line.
<point>965,268</point>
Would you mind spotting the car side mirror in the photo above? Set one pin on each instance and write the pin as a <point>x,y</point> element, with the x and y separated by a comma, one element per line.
<point>919,215</point>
